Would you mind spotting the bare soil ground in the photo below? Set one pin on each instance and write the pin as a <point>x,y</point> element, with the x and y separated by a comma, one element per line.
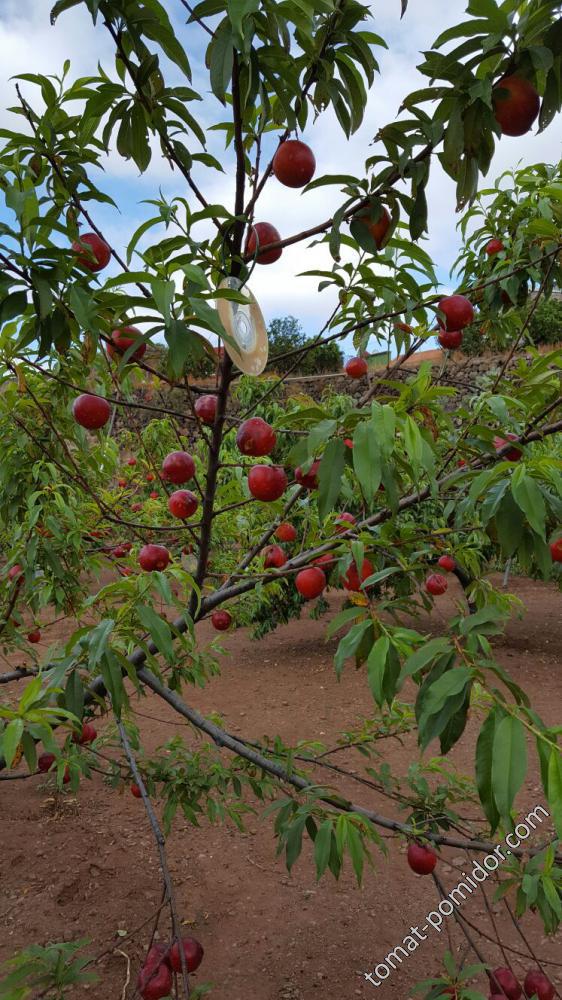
<point>86,866</point>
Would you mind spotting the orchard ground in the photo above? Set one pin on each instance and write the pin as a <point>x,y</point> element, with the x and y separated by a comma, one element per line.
<point>86,866</point>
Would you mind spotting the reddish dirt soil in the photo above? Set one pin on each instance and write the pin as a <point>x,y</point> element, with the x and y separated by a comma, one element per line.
<point>86,866</point>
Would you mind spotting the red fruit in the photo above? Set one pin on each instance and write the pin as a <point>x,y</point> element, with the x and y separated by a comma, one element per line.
<point>95,255</point>
<point>135,790</point>
<point>378,229</point>
<point>263,233</point>
<point>205,408</point>
<point>193,952</point>
<point>34,636</point>
<point>513,454</point>
<point>556,550</point>
<point>308,479</point>
<point>15,571</point>
<point>126,546</point>
<point>451,340</point>
<point>178,467</point>
<point>87,735</point>
<point>122,483</point>
<point>436,584</point>
<point>221,620</point>
<point>344,520</point>
<point>66,775</point>
<point>310,582</point>
<point>294,163</point>
<point>124,338</point>
<point>153,557</point>
<point>502,981</point>
<point>267,482</point>
<point>150,477</point>
<point>325,562</point>
<point>494,246</point>
<point>255,437</point>
<point>458,312</point>
<point>447,563</point>
<point>131,461</point>
<point>136,507</point>
<point>516,105</point>
<point>351,579</point>
<point>155,977</point>
<point>461,463</point>
<point>356,368</point>
<point>44,762</point>
<point>421,859</point>
<point>182,504</point>
<point>274,557</point>
<point>348,442</point>
<point>154,495</point>
<point>286,532</point>
<point>91,412</point>
<point>537,984</point>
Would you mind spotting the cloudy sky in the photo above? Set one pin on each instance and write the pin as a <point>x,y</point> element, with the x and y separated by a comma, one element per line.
<point>29,43</point>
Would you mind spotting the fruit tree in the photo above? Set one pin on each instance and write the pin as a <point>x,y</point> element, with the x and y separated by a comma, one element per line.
<point>229,504</point>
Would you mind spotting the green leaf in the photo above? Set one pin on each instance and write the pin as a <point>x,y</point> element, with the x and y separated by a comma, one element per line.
<point>423,656</point>
<point>113,680</point>
<point>98,639</point>
<point>159,630</point>
<point>221,58</point>
<point>376,667</point>
<point>11,739</point>
<point>555,789</point>
<point>349,644</point>
<point>330,476</point>
<point>509,763</point>
<point>367,459</point>
<point>322,847</point>
<point>74,694</point>
<point>529,499</point>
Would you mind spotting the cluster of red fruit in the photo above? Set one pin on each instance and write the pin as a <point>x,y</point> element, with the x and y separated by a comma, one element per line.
<point>86,735</point>
<point>436,584</point>
<point>155,977</point>
<point>504,984</point>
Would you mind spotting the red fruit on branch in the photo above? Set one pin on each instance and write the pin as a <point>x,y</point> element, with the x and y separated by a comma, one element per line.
<point>34,636</point>
<point>221,620</point>
<point>91,412</point>
<point>154,495</point>
<point>310,582</point>
<point>94,255</point>
<point>155,976</point>
<point>348,442</point>
<point>378,229</point>
<point>516,105</point>
<point>513,454</point>
<point>86,735</point>
<point>286,532</point>
<point>153,557</point>
<point>325,561</point>
<point>556,550</point>
<point>436,584</point>
<point>458,312</point>
<point>15,572</point>
<point>352,581</point>
<point>206,408</point>
<point>447,563</point>
<point>421,859</point>
<point>131,461</point>
<point>451,340</point>
<point>294,163</point>
<point>539,985</point>
<point>135,507</point>
<point>255,437</point>
<point>45,762</point>
<point>267,482</point>
<point>182,504</point>
<point>356,367</point>
<point>308,479</point>
<point>121,483</point>
<point>150,477</point>
<point>263,233</point>
<point>503,981</point>
<point>193,952</point>
<point>124,338</point>
<point>494,246</point>
<point>135,791</point>
<point>274,557</point>
<point>344,522</point>
<point>178,467</point>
